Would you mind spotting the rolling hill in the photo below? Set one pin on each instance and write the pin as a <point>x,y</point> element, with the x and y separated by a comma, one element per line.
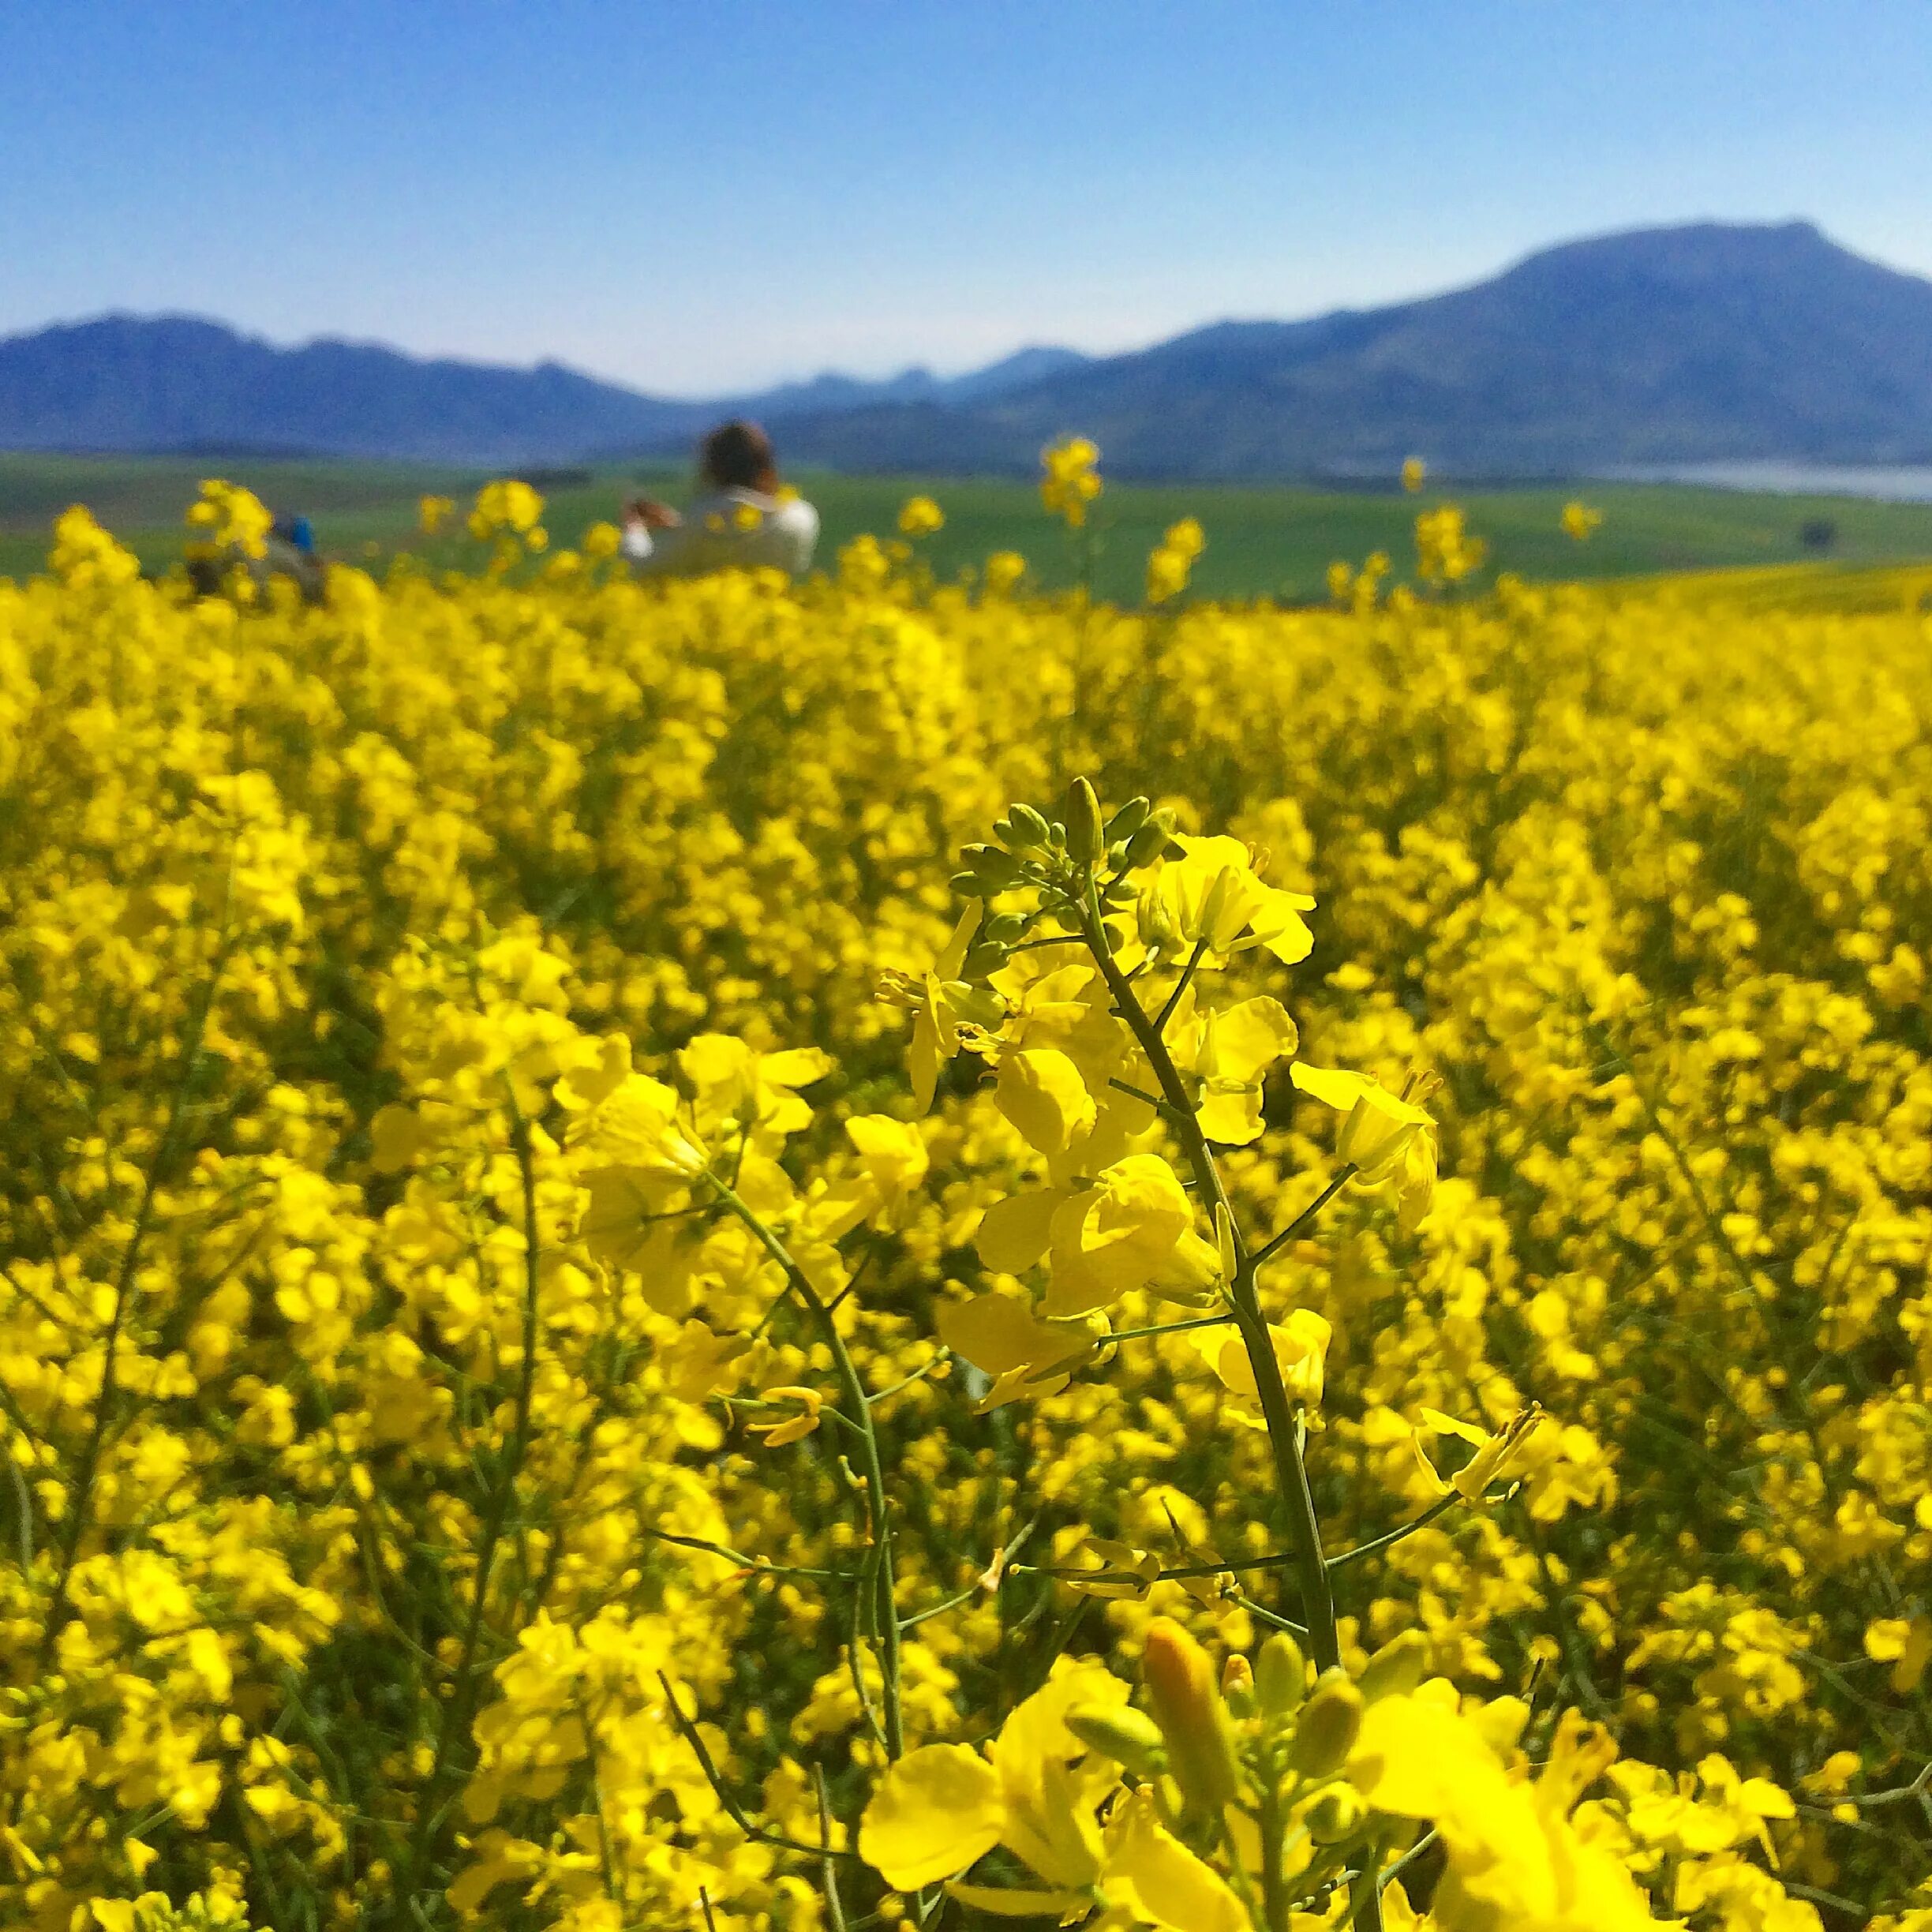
<point>1711,342</point>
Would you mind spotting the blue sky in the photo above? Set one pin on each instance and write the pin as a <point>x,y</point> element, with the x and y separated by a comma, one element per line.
<point>692,198</point>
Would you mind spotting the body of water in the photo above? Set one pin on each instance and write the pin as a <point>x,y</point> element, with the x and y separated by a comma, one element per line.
<point>1887,483</point>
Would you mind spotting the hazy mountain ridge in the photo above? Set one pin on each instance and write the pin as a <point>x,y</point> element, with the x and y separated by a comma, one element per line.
<point>1702,343</point>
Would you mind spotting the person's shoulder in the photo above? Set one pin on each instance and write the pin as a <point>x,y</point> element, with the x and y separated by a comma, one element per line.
<point>794,513</point>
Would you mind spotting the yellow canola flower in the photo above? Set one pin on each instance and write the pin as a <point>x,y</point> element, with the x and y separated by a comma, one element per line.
<point>1229,1052</point>
<point>1213,897</point>
<point>1301,1344</point>
<point>1023,1355</point>
<point>1413,471</point>
<point>433,512</point>
<point>1389,1141</point>
<point>732,1086</point>
<point>1153,1879</point>
<point>1579,520</point>
<point>1118,1235</point>
<point>804,1403</point>
<point>1171,562</point>
<point>1497,1458</point>
<point>938,1002</point>
<point>506,508</point>
<point>1445,551</point>
<point>1036,1791</point>
<point>1516,1858</point>
<point>1904,1642</point>
<point>1071,480</point>
<point>919,516</point>
<point>230,520</point>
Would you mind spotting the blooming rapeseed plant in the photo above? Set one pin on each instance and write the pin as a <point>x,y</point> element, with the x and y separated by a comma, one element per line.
<point>1348,1344</point>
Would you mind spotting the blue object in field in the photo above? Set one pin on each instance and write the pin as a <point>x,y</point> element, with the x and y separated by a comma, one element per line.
<point>297,531</point>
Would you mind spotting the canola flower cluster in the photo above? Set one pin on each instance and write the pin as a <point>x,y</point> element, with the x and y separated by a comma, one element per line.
<point>587,1342</point>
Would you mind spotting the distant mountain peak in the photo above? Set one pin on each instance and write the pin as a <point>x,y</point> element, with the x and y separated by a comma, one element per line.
<point>1707,341</point>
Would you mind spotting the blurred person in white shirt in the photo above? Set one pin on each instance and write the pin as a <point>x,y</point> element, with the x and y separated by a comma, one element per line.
<point>743,518</point>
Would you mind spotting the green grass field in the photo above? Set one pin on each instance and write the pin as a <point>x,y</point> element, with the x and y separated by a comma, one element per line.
<point>1268,541</point>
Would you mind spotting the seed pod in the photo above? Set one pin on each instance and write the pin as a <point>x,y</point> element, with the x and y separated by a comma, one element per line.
<point>1193,1722</point>
<point>1281,1677</point>
<point>1128,820</point>
<point>1397,1667</point>
<point>1327,1731</point>
<point>1130,1738</point>
<point>1086,839</point>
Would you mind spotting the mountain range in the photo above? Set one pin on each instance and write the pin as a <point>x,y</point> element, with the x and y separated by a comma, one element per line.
<point>1709,343</point>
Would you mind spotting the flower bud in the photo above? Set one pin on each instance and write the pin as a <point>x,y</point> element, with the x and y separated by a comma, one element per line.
<point>1085,838</point>
<point>1029,829</point>
<point>1150,841</point>
<point>1237,1686</point>
<point>1281,1677</point>
<point>995,869</point>
<point>1334,1815</point>
<point>1193,1722</point>
<point>1130,1738</point>
<point>1397,1667</point>
<point>1127,821</point>
<point>1326,1731</point>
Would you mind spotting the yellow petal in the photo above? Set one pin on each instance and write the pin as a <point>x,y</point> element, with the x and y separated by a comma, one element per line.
<point>799,1066</point>
<point>1014,1233</point>
<point>997,1333</point>
<point>1041,1092</point>
<point>1247,1037</point>
<point>1230,1115</point>
<point>932,1815</point>
<point>1158,1879</point>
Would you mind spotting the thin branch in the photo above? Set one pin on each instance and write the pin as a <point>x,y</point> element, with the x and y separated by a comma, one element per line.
<point>1375,1544</point>
<point>1269,1248</point>
<point>688,1732</point>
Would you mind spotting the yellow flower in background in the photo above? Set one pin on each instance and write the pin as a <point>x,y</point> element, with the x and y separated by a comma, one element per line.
<point>1498,1457</point>
<point>1002,570</point>
<point>1071,480</point>
<point>433,512</point>
<point>1579,520</point>
<point>230,519</point>
<point>1906,1644</point>
<point>1413,472</point>
<point>476,971</point>
<point>919,516</point>
<point>1445,551</point>
<point>1171,563</point>
<point>507,507</point>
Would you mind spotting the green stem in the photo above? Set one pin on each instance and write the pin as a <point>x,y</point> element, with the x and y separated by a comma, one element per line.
<point>459,1709</point>
<point>886,1618</point>
<point>1290,1470</point>
<point>1311,1572</point>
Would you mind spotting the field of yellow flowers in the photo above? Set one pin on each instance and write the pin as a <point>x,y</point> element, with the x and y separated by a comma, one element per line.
<point>717,1255</point>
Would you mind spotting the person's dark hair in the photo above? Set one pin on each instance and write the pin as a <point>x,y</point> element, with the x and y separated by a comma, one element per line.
<point>737,455</point>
